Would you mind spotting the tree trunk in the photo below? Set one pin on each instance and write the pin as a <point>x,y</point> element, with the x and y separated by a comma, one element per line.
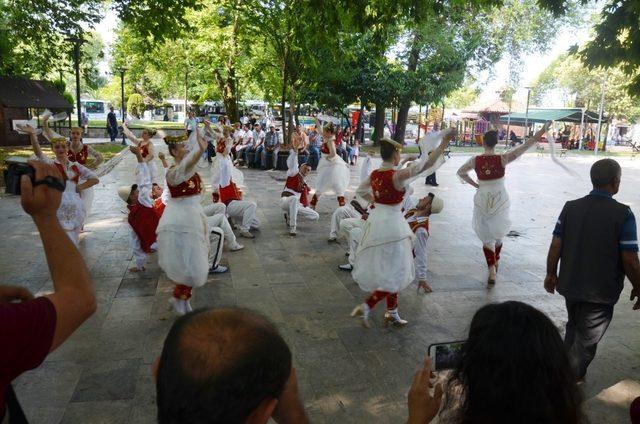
<point>360,125</point>
<point>298,114</point>
<point>379,124</point>
<point>292,113</point>
<point>405,104</point>
<point>284,101</point>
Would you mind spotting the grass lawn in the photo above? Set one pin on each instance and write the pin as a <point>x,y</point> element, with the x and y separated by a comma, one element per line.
<point>107,150</point>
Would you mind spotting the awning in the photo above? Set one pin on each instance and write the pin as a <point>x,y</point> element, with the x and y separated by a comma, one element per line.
<point>22,93</point>
<point>543,115</point>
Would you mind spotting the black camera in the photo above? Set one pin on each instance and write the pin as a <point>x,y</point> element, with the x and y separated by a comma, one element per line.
<point>13,174</point>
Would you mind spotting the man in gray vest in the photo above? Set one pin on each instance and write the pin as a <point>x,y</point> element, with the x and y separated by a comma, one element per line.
<point>596,244</point>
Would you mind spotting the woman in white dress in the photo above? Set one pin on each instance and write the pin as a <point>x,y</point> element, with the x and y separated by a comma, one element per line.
<point>183,230</point>
<point>491,203</point>
<point>384,257</point>
<point>146,148</point>
<point>71,213</point>
<point>77,152</point>
<point>333,172</point>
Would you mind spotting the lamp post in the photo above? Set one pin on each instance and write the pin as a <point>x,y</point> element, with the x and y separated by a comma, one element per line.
<point>122,70</point>
<point>77,42</point>
<point>526,115</point>
<point>595,148</point>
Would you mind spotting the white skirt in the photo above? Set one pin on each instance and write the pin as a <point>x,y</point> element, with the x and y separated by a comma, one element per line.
<point>333,176</point>
<point>216,162</point>
<point>491,211</point>
<point>183,242</point>
<point>71,213</point>
<point>384,259</point>
<point>87,200</point>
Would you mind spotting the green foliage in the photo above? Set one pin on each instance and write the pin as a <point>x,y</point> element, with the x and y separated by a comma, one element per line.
<point>69,97</point>
<point>135,105</point>
<point>462,97</point>
<point>581,87</point>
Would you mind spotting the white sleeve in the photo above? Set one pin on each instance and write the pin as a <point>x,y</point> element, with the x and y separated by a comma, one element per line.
<point>144,184</point>
<point>86,173</point>
<point>467,167</point>
<point>43,158</point>
<point>365,168</point>
<point>292,164</point>
<point>180,173</point>
<point>420,250</point>
<point>364,189</point>
<point>139,255</point>
<point>225,171</point>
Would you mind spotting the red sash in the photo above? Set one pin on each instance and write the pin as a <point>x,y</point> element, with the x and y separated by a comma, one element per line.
<point>489,167</point>
<point>80,157</point>
<point>230,193</point>
<point>144,222</point>
<point>383,190</point>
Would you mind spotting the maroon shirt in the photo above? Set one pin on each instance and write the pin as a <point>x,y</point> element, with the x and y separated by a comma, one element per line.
<point>26,334</point>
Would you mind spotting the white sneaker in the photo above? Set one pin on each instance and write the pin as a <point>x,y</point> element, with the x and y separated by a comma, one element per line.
<point>246,234</point>
<point>237,247</point>
<point>362,311</point>
<point>346,267</point>
<point>292,231</point>
<point>218,269</point>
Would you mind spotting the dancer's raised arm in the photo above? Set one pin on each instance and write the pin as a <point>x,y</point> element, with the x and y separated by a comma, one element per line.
<point>33,137</point>
<point>131,136</point>
<point>520,150</point>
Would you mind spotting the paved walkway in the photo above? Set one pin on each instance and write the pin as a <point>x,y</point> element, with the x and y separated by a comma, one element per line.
<point>346,374</point>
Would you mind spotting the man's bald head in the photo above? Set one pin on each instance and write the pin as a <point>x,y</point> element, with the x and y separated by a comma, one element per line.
<point>605,175</point>
<point>218,366</point>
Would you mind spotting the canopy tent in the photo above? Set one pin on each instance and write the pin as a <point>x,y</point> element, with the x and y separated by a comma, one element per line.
<point>543,115</point>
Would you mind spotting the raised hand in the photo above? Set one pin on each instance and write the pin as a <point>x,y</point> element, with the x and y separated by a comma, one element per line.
<point>422,406</point>
<point>41,201</point>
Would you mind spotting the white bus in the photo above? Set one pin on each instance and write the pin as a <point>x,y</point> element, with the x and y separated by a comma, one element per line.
<point>95,109</point>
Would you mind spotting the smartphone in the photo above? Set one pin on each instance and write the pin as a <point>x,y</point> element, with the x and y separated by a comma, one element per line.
<point>445,356</point>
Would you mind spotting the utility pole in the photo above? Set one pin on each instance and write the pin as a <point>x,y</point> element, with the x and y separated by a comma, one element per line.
<point>122,70</point>
<point>526,115</point>
<point>77,42</point>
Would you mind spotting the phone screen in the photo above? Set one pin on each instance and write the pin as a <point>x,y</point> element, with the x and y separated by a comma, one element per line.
<point>445,355</point>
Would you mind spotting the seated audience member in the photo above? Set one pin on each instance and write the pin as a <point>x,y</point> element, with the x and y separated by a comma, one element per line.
<point>31,327</point>
<point>226,366</point>
<point>513,368</point>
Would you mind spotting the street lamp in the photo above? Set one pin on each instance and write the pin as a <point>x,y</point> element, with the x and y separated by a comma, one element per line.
<point>122,70</point>
<point>77,42</point>
<point>595,148</point>
<point>526,115</point>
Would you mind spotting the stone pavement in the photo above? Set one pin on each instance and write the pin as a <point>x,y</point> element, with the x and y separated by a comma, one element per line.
<point>346,373</point>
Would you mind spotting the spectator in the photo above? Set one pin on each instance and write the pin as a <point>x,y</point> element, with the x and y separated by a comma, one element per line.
<point>596,243</point>
<point>226,366</point>
<point>191,123</point>
<point>258,140</point>
<point>513,138</point>
<point>112,124</point>
<point>246,144</point>
<point>31,327</point>
<point>271,147</point>
<point>85,123</point>
<point>315,141</point>
<point>512,369</point>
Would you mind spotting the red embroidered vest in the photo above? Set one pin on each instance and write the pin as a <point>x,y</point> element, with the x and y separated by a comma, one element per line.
<point>324,148</point>
<point>489,167</point>
<point>80,157</point>
<point>191,187</point>
<point>144,150</point>
<point>63,171</point>
<point>221,145</point>
<point>383,190</point>
<point>158,207</point>
<point>416,224</point>
<point>297,184</point>
<point>230,193</point>
<point>144,222</point>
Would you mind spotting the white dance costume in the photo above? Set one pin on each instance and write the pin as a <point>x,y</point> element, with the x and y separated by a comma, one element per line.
<point>333,173</point>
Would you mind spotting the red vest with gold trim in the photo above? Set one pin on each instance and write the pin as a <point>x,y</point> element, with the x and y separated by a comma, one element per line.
<point>158,207</point>
<point>297,184</point>
<point>324,148</point>
<point>230,193</point>
<point>383,190</point>
<point>144,150</point>
<point>416,224</point>
<point>80,157</point>
<point>63,171</point>
<point>489,167</point>
<point>144,222</point>
<point>191,187</point>
<point>221,144</point>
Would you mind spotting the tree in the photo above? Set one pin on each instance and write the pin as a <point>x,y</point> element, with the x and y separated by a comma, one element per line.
<point>581,87</point>
<point>135,105</point>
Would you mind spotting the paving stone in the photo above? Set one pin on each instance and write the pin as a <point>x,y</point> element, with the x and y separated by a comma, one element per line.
<point>107,381</point>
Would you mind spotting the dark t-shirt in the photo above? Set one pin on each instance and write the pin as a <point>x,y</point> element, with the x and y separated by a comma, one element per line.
<point>26,334</point>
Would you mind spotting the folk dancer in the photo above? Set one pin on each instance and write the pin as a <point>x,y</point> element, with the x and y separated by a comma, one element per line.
<point>77,152</point>
<point>185,250</point>
<point>224,182</point>
<point>71,212</point>
<point>384,258</point>
<point>418,219</point>
<point>491,202</point>
<point>146,148</point>
<point>143,218</point>
<point>333,172</point>
<point>294,199</point>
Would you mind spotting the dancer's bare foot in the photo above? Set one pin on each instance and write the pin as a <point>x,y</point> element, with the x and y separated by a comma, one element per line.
<point>136,269</point>
<point>424,286</point>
